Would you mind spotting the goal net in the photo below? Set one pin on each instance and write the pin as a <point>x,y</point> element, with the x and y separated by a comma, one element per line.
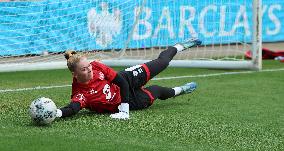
<point>34,34</point>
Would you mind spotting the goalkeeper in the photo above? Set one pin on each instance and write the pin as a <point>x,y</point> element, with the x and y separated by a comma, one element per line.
<point>99,88</point>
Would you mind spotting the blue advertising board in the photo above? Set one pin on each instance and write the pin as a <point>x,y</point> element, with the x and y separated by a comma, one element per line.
<point>56,26</point>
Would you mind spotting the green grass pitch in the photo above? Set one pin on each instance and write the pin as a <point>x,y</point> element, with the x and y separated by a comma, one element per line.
<point>227,112</point>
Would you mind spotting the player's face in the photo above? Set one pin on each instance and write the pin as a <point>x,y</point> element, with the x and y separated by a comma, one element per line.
<point>83,72</point>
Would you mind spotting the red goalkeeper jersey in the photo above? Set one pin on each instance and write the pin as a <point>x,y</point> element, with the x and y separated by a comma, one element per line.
<point>99,95</point>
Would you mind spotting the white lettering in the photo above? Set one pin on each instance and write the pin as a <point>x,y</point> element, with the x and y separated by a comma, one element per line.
<point>137,34</point>
<point>274,19</point>
<point>223,24</point>
<point>186,22</point>
<point>241,21</point>
<point>132,68</point>
<point>201,21</point>
<point>168,26</point>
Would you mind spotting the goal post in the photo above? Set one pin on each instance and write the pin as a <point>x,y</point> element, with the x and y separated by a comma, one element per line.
<point>35,34</point>
<point>257,35</point>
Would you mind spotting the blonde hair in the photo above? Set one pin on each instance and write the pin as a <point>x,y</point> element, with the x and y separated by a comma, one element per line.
<point>72,58</point>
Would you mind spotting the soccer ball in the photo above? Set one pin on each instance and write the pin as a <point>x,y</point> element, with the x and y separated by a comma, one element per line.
<point>43,111</point>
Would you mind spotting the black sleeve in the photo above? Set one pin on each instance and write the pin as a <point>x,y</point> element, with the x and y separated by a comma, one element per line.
<point>71,109</point>
<point>124,87</point>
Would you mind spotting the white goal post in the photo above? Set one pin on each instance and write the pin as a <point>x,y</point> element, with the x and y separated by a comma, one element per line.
<point>35,34</point>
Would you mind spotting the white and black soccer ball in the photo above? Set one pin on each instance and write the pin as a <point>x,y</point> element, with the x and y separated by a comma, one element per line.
<point>42,111</point>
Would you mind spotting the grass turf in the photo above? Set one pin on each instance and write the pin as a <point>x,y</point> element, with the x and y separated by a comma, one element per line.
<point>227,112</point>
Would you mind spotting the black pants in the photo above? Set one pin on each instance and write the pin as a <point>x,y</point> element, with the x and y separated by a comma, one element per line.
<point>137,76</point>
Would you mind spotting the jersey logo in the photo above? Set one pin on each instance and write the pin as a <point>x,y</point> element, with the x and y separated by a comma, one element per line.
<point>80,97</point>
<point>101,76</point>
<point>92,91</point>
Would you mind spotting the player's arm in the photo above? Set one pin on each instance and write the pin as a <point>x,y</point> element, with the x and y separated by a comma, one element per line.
<point>124,87</point>
<point>124,92</point>
<point>69,110</point>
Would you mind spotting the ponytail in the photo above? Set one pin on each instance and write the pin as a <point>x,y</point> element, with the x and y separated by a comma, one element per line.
<point>72,58</point>
<point>69,53</point>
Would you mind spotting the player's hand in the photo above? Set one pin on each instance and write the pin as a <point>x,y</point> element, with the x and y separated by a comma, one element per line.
<point>58,113</point>
<point>123,112</point>
<point>120,116</point>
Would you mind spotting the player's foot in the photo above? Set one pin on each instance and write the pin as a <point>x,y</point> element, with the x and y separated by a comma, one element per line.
<point>188,87</point>
<point>120,115</point>
<point>192,42</point>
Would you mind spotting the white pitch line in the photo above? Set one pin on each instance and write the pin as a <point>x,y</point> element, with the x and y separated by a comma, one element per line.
<point>34,88</point>
<point>218,74</point>
<point>155,79</point>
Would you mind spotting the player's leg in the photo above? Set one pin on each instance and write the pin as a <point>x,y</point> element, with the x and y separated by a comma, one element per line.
<point>139,75</point>
<point>163,93</point>
<point>161,63</point>
<point>159,92</point>
<point>144,97</point>
<point>158,65</point>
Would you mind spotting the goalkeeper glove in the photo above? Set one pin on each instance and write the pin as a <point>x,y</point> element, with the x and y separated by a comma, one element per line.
<point>58,113</point>
<point>123,112</point>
